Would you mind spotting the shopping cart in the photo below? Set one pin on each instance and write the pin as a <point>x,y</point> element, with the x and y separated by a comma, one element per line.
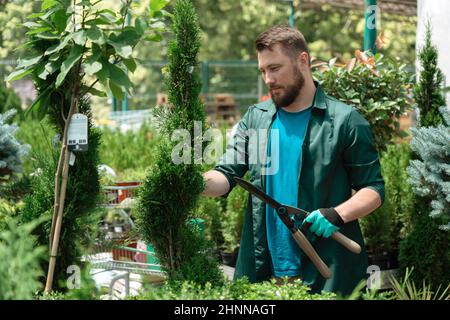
<point>117,249</point>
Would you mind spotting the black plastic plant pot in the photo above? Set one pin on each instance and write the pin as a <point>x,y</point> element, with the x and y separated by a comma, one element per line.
<point>230,258</point>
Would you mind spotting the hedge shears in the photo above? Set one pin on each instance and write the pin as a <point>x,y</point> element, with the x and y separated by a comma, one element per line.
<point>284,213</point>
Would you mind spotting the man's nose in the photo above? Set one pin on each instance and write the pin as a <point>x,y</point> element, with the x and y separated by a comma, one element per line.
<point>269,79</point>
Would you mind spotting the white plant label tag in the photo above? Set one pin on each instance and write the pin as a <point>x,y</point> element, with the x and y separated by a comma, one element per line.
<point>78,133</point>
<point>72,158</point>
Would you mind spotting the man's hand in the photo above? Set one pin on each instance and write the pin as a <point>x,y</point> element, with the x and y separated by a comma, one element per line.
<point>323,222</point>
<point>216,184</point>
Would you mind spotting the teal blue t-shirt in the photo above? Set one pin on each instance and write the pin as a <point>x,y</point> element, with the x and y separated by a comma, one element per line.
<point>283,187</point>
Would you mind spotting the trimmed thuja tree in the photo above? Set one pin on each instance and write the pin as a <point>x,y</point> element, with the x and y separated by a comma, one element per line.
<point>427,247</point>
<point>171,190</point>
<point>74,47</point>
<point>428,92</point>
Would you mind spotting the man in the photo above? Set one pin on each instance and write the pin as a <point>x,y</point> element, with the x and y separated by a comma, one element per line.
<point>323,149</point>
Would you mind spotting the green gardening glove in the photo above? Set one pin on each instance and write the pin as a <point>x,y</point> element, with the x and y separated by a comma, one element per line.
<point>323,222</point>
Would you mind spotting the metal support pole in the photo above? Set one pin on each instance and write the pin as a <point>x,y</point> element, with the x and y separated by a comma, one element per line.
<point>292,15</point>
<point>205,77</point>
<point>370,27</point>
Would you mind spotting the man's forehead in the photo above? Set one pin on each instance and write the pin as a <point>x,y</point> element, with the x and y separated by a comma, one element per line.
<point>274,54</point>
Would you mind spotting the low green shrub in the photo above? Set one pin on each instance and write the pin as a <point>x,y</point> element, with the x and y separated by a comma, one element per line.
<point>426,249</point>
<point>388,225</point>
<point>20,268</point>
<point>233,218</point>
<point>210,210</point>
<point>379,92</point>
<point>240,289</point>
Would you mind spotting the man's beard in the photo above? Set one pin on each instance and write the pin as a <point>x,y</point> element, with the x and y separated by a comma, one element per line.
<point>291,91</point>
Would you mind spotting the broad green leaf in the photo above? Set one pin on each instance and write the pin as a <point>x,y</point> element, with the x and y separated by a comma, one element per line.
<point>92,67</point>
<point>46,4</point>
<point>94,91</point>
<point>130,64</point>
<point>118,76</point>
<point>32,24</point>
<point>48,36</point>
<point>140,26</point>
<point>128,36</point>
<point>35,15</point>
<point>157,5</point>
<point>48,69</point>
<point>61,45</point>
<point>84,3</point>
<point>107,16</point>
<point>122,49</point>
<point>116,90</point>
<point>107,11</point>
<point>38,30</point>
<point>74,56</point>
<point>19,74</point>
<point>95,35</point>
<point>79,37</point>
<point>97,22</point>
<point>41,72</point>
<point>26,62</point>
<point>54,57</point>
<point>60,20</point>
<point>103,74</point>
<point>48,14</point>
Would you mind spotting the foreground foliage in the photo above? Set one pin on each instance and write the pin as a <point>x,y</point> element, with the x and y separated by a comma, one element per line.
<point>240,289</point>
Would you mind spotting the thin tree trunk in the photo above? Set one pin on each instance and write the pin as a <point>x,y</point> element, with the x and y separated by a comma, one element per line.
<point>61,195</point>
<point>172,262</point>
<point>57,191</point>
<point>58,223</point>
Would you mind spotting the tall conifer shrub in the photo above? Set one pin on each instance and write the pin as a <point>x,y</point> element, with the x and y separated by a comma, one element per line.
<point>171,190</point>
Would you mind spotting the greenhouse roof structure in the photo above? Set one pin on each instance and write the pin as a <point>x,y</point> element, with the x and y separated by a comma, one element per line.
<point>397,7</point>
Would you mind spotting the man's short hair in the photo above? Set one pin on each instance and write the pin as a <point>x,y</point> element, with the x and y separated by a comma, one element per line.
<point>291,40</point>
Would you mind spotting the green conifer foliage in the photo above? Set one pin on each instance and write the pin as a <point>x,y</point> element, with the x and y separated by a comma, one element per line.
<point>19,266</point>
<point>428,91</point>
<point>11,150</point>
<point>430,176</point>
<point>427,247</point>
<point>171,190</point>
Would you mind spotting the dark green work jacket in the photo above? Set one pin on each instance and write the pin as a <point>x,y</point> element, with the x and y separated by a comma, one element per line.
<point>338,155</point>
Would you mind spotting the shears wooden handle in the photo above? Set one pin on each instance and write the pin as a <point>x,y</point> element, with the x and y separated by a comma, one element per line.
<point>349,244</point>
<point>308,249</point>
<point>346,242</point>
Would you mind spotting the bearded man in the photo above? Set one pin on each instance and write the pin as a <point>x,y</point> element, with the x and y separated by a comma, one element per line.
<point>322,151</point>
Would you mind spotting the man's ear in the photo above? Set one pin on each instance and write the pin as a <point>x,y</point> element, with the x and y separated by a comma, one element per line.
<point>303,58</point>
